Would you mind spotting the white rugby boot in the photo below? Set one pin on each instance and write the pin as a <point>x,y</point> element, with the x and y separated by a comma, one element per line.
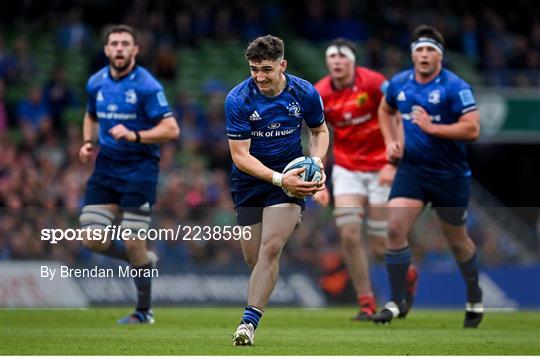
<point>244,335</point>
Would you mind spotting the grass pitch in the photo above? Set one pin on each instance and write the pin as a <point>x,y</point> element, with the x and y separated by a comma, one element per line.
<point>284,331</point>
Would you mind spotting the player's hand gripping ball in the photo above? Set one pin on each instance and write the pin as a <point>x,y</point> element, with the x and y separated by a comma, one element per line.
<point>312,172</point>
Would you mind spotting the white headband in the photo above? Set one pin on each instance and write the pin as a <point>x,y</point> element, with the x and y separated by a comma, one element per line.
<point>427,42</point>
<point>342,50</point>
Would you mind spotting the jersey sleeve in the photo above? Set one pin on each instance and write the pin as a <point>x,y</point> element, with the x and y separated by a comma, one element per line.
<point>314,110</point>
<point>390,94</point>
<point>156,106</point>
<point>237,123</point>
<point>462,99</point>
<point>91,100</point>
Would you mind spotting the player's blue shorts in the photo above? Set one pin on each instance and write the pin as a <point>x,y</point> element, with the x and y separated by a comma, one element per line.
<point>449,197</point>
<point>135,197</point>
<point>250,196</point>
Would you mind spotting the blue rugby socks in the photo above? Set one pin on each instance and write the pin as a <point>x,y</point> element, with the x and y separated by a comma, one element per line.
<point>144,288</point>
<point>469,270</point>
<point>252,315</point>
<point>397,264</point>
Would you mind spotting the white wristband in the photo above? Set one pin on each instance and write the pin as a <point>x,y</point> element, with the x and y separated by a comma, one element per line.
<point>277,179</point>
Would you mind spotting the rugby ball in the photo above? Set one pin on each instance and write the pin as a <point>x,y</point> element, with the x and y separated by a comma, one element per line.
<point>312,172</point>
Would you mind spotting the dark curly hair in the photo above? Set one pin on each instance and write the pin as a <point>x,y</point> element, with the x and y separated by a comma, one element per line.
<point>265,48</point>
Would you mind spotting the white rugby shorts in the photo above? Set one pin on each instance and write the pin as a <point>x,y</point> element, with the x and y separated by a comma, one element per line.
<point>361,183</point>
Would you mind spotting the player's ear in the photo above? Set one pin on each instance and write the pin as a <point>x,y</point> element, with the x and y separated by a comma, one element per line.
<point>283,65</point>
<point>135,50</point>
<point>106,50</point>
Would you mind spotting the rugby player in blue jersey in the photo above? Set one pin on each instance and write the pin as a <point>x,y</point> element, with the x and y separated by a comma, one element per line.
<point>127,116</point>
<point>264,117</point>
<point>439,116</point>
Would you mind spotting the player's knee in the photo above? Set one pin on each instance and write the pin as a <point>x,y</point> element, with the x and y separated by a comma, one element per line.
<point>271,250</point>
<point>351,241</point>
<point>378,248</point>
<point>94,245</point>
<point>251,261</point>
<point>456,243</point>
<point>136,251</point>
<point>396,231</point>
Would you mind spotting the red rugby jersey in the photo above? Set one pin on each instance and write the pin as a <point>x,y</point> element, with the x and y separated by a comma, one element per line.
<point>352,111</point>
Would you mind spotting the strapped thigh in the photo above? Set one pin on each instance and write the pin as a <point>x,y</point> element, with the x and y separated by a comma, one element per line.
<point>95,217</point>
<point>377,228</point>
<point>346,215</point>
<point>136,220</point>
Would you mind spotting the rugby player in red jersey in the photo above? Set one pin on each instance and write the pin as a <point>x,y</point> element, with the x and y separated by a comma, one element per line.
<point>361,174</point>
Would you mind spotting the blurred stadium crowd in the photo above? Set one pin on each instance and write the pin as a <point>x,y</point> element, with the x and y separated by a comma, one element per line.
<point>42,105</point>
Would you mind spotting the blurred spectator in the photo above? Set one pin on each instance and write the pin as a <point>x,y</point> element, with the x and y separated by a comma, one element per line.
<point>345,24</point>
<point>7,62</point>
<point>253,26</point>
<point>165,61</point>
<point>183,31</point>
<point>3,110</point>
<point>185,105</point>
<point>224,29</point>
<point>314,25</point>
<point>157,26</point>
<point>58,96</point>
<point>25,67</point>
<point>201,21</point>
<point>470,38</point>
<point>40,167</point>
<point>74,34</point>
<point>33,113</point>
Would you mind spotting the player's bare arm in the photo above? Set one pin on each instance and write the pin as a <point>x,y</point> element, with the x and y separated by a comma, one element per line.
<point>166,130</point>
<point>467,128</point>
<point>90,130</point>
<point>319,139</point>
<point>252,166</point>
<point>391,131</point>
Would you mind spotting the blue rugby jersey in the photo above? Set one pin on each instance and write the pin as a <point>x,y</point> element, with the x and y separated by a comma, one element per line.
<point>137,101</point>
<point>274,124</point>
<point>446,98</point>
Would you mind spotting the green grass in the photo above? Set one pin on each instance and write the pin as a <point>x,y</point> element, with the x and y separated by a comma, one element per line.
<point>284,331</point>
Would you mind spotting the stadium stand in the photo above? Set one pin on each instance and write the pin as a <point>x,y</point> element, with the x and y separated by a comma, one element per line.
<point>197,52</point>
